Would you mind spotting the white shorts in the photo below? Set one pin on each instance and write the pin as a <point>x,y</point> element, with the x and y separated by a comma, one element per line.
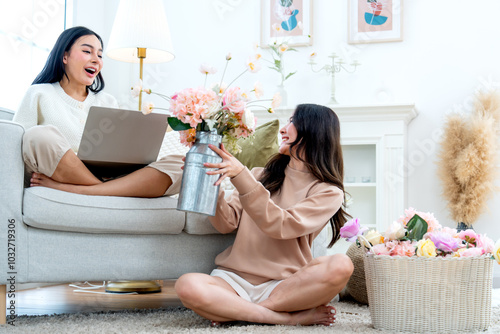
<point>248,291</point>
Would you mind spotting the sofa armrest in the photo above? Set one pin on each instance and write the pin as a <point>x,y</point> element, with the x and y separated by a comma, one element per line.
<point>6,114</point>
<point>11,195</point>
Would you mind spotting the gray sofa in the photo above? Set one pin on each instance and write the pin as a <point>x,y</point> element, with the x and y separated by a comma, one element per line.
<point>65,237</point>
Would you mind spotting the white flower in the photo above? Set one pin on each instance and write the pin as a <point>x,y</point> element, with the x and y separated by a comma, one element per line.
<point>283,47</point>
<point>219,89</point>
<point>212,110</point>
<point>147,108</point>
<point>257,88</point>
<point>248,119</point>
<point>244,96</point>
<point>136,89</point>
<point>395,231</point>
<point>276,27</point>
<point>207,69</point>
<point>229,56</point>
<point>253,65</point>
<point>300,25</point>
<point>496,251</point>
<point>374,237</point>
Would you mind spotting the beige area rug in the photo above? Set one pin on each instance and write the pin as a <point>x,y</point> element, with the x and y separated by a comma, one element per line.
<point>351,318</point>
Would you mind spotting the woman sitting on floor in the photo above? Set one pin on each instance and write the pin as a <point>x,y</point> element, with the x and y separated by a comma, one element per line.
<point>269,275</point>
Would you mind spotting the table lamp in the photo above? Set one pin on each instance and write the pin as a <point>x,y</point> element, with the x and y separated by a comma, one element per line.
<point>140,34</point>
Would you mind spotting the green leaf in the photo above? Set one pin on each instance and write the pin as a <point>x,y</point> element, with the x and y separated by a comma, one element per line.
<point>290,74</point>
<point>416,227</point>
<point>177,125</point>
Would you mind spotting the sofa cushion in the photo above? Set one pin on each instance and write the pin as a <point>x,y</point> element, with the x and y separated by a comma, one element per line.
<point>198,224</point>
<point>257,151</point>
<point>51,209</point>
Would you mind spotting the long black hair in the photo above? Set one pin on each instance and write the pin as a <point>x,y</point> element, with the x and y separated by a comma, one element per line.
<point>318,146</point>
<point>54,71</point>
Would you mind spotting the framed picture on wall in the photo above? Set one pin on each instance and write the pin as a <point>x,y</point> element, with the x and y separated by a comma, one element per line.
<point>286,21</point>
<point>375,21</point>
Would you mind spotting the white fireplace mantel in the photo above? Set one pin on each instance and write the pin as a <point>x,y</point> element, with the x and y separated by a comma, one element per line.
<point>374,112</point>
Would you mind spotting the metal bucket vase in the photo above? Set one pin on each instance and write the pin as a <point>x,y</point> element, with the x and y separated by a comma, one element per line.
<point>198,192</point>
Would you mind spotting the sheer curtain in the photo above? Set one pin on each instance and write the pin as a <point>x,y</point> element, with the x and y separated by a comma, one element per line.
<point>28,31</point>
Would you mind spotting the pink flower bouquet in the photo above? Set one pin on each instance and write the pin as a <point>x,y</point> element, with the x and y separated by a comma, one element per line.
<point>420,234</point>
<point>226,109</point>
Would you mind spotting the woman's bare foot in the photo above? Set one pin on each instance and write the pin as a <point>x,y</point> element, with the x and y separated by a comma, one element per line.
<point>42,180</point>
<point>321,315</point>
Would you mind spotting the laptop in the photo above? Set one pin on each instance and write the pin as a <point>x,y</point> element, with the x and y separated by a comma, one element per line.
<point>120,141</point>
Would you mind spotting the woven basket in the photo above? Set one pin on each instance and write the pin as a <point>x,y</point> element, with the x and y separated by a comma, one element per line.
<point>356,286</point>
<point>429,294</point>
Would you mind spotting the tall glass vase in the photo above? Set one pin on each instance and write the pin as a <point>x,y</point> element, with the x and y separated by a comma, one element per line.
<point>198,192</point>
<point>284,96</point>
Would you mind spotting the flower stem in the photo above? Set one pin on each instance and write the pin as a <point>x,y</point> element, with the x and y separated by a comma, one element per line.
<point>263,100</point>
<point>261,106</point>
<point>236,78</point>
<point>223,73</point>
<point>222,96</point>
<point>166,97</point>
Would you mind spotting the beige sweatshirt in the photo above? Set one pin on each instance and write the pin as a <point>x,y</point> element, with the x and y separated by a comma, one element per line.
<point>49,104</point>
<point>275,234</point>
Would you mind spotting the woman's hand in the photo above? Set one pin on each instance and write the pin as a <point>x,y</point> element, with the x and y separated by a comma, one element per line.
<point>229,167</point>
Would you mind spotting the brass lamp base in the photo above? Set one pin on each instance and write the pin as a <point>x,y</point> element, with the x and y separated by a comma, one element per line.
<point>133,286</point>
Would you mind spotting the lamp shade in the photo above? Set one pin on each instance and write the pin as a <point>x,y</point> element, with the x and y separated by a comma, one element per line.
<point>140,24</point>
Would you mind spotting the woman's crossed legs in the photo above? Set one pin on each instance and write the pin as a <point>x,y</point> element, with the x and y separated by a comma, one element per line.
<point>300,299</point>
<point>53,164</point>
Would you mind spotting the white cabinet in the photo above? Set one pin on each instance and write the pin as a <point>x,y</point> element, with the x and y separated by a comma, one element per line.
<point>360,181</point>
<point>374,142</point>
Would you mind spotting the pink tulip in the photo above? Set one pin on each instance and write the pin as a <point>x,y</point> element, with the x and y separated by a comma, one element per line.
<point>352,229</point>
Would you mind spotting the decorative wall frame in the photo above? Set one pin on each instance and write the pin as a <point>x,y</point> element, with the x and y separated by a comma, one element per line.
<point>375,21</point>
<point>294,17</point>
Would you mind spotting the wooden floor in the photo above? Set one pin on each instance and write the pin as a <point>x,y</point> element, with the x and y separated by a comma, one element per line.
<point>62,298</point>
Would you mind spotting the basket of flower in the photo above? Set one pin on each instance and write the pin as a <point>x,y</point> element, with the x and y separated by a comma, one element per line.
<point>422,277</point>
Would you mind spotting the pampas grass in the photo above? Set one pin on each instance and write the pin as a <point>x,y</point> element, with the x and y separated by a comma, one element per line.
<point>468,158</point>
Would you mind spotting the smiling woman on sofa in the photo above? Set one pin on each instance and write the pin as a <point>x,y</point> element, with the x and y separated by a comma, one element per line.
<point>269,275</point>
<point>53,113</point>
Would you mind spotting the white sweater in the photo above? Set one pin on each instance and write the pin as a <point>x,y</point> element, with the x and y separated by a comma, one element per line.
<point>48,104</point>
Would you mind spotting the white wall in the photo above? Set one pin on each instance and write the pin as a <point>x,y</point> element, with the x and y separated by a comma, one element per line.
<point>450,48</point>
